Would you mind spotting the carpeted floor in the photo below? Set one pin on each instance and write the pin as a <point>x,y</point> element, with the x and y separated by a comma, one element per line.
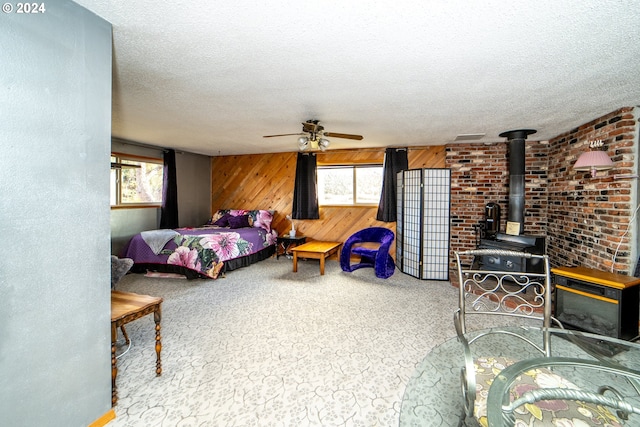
<point>268,347</point>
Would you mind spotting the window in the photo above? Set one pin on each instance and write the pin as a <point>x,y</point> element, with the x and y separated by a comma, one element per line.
<point>136,181</point>
<point>349,185</point>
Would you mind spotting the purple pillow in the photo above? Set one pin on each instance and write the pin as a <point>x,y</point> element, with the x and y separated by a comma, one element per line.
<point>223,221</point>
<point>239,221</point>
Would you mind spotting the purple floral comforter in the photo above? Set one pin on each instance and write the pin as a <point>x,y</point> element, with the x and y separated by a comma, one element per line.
<point>204,249</point>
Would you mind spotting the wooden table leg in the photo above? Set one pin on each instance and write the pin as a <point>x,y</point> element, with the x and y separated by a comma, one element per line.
<point>295,262</point>
<point>114,363</point>
<point>124,333</point>
<point>322,265</point>
<point>157,315</point>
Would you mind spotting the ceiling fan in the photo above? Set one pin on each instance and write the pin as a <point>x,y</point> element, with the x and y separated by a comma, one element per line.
<point>316,136</point>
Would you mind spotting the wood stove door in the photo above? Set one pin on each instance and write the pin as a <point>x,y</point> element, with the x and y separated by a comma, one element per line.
<point>498,263</point>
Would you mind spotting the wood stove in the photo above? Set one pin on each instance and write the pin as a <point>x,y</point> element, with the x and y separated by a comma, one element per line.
<point>513,240</point>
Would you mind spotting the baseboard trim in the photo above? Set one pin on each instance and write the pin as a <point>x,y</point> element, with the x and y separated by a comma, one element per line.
<point>104,420</point>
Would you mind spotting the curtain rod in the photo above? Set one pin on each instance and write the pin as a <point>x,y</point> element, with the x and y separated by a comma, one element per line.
<point>378,149</point>
<point>143,145</point>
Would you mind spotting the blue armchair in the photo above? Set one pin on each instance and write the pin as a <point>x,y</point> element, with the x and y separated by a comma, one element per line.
<point>377,258</point>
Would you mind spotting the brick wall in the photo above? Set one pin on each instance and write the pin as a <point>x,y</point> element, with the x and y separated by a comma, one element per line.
<point>588,216</point>
<point>584,219</point>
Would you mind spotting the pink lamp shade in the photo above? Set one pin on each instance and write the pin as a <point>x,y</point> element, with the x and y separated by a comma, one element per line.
<point>593,161</point>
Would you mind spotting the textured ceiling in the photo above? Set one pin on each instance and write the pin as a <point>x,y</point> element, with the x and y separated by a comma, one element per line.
<point>213,77</point>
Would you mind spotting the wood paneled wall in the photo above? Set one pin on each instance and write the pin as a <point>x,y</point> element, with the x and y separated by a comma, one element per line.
<point>266,181</point>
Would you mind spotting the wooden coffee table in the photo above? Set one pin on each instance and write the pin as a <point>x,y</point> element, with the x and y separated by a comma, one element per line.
<point>127,307</point>
<point>315,250</point>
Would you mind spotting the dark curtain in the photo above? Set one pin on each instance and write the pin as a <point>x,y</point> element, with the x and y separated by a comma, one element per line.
<point>305,192</point>
<point>395,160</point>
<point>169,212</point>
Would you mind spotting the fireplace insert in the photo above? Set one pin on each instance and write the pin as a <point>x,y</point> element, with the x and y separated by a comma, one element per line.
<point>596,301</point>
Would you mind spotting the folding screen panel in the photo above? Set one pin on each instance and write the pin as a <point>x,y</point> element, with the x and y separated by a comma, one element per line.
<point>422,229</point>
<point>408,224</point>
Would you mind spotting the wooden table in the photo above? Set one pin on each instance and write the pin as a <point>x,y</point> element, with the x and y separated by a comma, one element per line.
<point>315,250</point>
<point>127,307</point>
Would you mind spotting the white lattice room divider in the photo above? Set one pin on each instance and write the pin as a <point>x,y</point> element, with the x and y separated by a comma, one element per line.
<point>423,223</point>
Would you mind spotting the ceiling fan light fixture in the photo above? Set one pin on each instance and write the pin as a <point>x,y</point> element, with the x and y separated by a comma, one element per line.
<point>303,143</point>
<point>313,136</point>
<point>323,144</point>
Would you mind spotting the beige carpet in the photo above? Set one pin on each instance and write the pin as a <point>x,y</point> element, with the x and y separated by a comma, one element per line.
<point>268,347</point>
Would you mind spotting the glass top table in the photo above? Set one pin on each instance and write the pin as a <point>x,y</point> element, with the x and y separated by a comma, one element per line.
<point>433,395</point>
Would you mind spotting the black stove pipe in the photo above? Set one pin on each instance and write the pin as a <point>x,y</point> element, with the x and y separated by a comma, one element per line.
<point>515,140</point>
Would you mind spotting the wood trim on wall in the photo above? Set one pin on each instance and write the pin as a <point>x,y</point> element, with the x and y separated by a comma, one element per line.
<point>104,419</point>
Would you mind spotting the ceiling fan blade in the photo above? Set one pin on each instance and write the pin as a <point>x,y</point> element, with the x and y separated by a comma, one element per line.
<point>343,135</point>
<point>283,134</point>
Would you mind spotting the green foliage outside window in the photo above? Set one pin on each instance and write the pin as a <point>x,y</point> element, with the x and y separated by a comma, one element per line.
<point>140,184</point>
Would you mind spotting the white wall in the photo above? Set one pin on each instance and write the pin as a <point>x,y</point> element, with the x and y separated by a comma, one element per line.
<point>55,120</point>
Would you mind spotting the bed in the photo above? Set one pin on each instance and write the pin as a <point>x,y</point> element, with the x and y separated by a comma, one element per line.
<point>231,239</point>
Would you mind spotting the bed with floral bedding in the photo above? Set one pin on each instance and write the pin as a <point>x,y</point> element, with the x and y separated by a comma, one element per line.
<point>231,239</point>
